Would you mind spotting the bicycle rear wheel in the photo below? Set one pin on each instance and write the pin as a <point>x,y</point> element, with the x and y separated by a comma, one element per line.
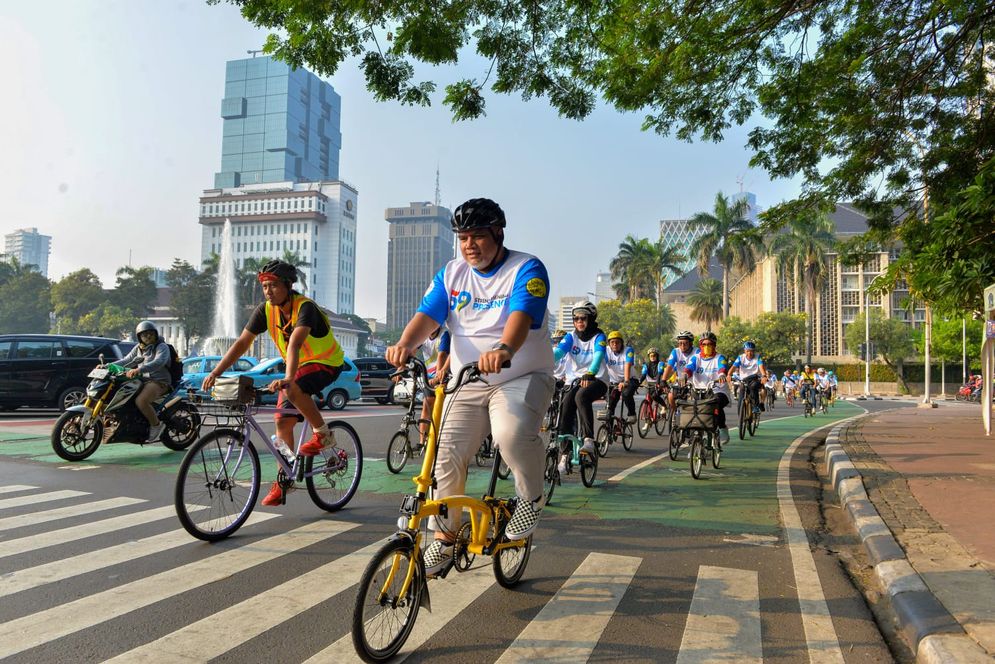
<point>661,421</point>
<point>744,409</point>
<point>753,423</point>
<point>645,419</point>
<point>588,469</point>
<point>510,563</point>
<point>398,451</point>
<point>382,619</point>
<point>332,476</point>
<point>602,439</point>
<point>697,456</point>
<point>675,443</point>
<point>217,485</point>
<point>627,436</point>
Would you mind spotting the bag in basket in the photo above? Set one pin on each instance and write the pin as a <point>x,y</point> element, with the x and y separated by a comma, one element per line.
<point>699,415</point>
<point>234,389</point>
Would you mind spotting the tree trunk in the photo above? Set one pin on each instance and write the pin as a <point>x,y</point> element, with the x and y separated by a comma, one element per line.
<point>809,301</point>
<point>725,292</point>
<point>796,305</point>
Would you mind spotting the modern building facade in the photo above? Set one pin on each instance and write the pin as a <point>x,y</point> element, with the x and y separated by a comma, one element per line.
<point>564,314</point>
<point>679,233</point>
<point>603,287</point>
<point>316,221</point>
<point>420,242</point>
<point>278,183</point>
<point>843,297</point>
<point>29,247</point>
<point>280,124</point>
<point>752,209</point>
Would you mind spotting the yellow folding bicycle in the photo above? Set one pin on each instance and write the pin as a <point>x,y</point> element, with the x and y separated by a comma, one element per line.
<point>394,585</point>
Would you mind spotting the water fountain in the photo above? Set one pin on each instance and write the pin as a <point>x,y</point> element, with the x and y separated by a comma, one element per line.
<point>224,329</point>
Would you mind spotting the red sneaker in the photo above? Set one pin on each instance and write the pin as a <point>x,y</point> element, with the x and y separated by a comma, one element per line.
<point>314,446</point>
<point>275,497</point>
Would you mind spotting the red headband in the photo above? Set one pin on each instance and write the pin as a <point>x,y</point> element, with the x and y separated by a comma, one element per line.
<point>263,277</point>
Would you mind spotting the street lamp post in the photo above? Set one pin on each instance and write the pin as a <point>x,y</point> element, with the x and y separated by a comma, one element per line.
<point>867,344</point>
<point>963,346</point>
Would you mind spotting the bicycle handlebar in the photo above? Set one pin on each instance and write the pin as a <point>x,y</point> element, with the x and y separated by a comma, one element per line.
<point>468,373</point>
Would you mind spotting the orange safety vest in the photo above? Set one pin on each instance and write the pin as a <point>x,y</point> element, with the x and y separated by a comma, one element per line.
<point>322,350</point>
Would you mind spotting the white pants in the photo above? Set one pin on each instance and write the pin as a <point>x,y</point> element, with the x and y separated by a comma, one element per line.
<point>512,412</point>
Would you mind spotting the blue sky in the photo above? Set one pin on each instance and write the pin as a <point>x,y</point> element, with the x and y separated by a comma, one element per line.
<point>111,130</point>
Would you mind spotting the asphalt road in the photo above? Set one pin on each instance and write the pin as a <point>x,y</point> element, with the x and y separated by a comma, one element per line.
<point>648,565</point>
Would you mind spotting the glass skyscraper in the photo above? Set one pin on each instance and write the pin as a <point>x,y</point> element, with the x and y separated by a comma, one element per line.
<point>280,124</point>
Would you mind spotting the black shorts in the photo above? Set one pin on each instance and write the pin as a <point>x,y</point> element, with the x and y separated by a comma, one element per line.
<point>312,379</point>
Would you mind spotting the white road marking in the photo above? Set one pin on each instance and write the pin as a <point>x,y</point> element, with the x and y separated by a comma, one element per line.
<point>820,634</point>
<point>639,466</point>
<point>14,488</point>
<point>569,627</point>
<point>723,623</point>
<point>58,570</point>
<point>74,533</point>
<point>220,632</point>
<point>33,630</point>
<point>11,522</point>
<point>34,499</point>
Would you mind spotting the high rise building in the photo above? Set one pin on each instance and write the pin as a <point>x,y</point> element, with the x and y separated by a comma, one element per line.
<point>420,243</point>
<point>280,124</point>
<point>279,183</point>
<point>564,314</point>
<point>752,209</point>
<point>680,233</point>
<point>29,247</point>
<point>603,287</point>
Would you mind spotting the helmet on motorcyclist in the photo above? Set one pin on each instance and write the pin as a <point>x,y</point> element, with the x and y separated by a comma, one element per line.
<point>146,326</point>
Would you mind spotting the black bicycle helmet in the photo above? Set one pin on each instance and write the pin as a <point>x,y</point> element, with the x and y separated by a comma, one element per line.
<point>707,336</point>
<point>282,270</point>
<point>477,213</point>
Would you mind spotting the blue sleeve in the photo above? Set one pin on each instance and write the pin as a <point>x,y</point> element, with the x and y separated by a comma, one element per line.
<point>562,348</point>
<point>691,365</point>
<point>736,364</point>
<point>630,356</point>
<point>672,360</point>
<point>531,291</point>
<point>760,361</point>
<point>435,304</point>
<point>600,342</point>
<point>659,368</point>
<point>724,363</point>
<point>646,370</point>
<point>444,342</point>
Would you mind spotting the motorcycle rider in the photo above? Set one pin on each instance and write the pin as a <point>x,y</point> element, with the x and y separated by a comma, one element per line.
<point>150,360</point>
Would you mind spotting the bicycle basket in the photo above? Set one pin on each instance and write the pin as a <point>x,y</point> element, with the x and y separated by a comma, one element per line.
<point>234,389</point>
<point>698,415</point>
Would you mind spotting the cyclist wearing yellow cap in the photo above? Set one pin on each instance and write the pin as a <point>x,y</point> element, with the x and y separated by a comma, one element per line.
<point>619,360</point>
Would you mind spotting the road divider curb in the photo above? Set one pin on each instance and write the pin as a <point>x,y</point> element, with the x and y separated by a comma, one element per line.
<point>934,634</point>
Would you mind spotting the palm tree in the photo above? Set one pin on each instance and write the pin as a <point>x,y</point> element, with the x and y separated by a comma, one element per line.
<point>667,260</point>
<point>730,238</point>
<point>706,302</point>
<point>801,252</point>
<point>632,268</point>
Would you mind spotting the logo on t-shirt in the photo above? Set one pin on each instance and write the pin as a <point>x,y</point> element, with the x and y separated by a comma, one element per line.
<point>458,300</point>
<point>536,287</point>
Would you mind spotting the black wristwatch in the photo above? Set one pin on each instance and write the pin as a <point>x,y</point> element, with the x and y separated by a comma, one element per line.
<point>505,347</point>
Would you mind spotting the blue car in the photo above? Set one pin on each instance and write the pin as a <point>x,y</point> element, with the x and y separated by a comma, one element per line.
<point>346,387</point>
<point>195,369</point>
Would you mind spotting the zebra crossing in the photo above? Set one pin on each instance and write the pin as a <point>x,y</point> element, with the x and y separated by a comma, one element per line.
<point>723,621</point>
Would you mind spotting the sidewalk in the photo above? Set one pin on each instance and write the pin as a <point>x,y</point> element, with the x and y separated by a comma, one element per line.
<point>919,486</point>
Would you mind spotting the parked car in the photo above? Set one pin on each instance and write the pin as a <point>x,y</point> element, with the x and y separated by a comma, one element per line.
<point>195,369</point>
<point>374,376</point>
<point>50,370</point>
<point>346,387</point>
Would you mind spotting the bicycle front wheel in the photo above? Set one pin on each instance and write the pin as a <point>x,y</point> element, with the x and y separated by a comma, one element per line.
<point>675,443</point>
<point>662,419</point>
<point>332,476</point>
<point>588,470</point>
<point>744,417</point>
<point>509,563</point>
<point>602,440</point>
<point>550,475</point>
<point>398,451</point>
<point>697,456</point>
<point>753,423</point>
<point>716,452</point>
<point>382,619</point>
<point>627,436</point>
<point>645,419</point>
<point>217,485</point>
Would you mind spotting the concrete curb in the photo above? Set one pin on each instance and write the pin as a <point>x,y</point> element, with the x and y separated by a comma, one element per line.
<point>933,633</point>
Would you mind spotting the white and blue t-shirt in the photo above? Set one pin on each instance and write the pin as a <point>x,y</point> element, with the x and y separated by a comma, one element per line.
<point>748,367</point>
<point>615,363</point>
<point>583,357</point>
<point>705,370</point>
<point>475,307</point>
<point>678,359</point>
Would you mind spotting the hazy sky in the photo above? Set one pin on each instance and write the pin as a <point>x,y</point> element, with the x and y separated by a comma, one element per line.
<point>110,131</point>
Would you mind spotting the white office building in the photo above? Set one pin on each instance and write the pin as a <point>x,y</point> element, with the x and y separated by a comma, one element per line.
<point>314,220</point>
<point>29,247</point>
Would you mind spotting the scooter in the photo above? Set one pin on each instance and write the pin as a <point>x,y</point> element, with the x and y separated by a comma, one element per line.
<point>109,415</point>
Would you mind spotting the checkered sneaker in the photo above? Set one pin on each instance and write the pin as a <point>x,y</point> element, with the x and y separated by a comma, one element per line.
<point>437,556</point>
<point>524,519</point>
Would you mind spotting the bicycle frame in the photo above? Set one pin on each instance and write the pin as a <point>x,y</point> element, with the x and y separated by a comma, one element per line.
<point>419,506</point>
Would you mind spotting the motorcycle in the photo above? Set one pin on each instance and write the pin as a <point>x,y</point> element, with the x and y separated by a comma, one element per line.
<point>109,415</point>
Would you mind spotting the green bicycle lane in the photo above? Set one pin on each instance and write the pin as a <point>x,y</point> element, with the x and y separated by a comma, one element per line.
<point>739,497</point>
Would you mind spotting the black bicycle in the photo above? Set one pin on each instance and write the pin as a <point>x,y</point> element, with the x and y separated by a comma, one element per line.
<point>615,427</point>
